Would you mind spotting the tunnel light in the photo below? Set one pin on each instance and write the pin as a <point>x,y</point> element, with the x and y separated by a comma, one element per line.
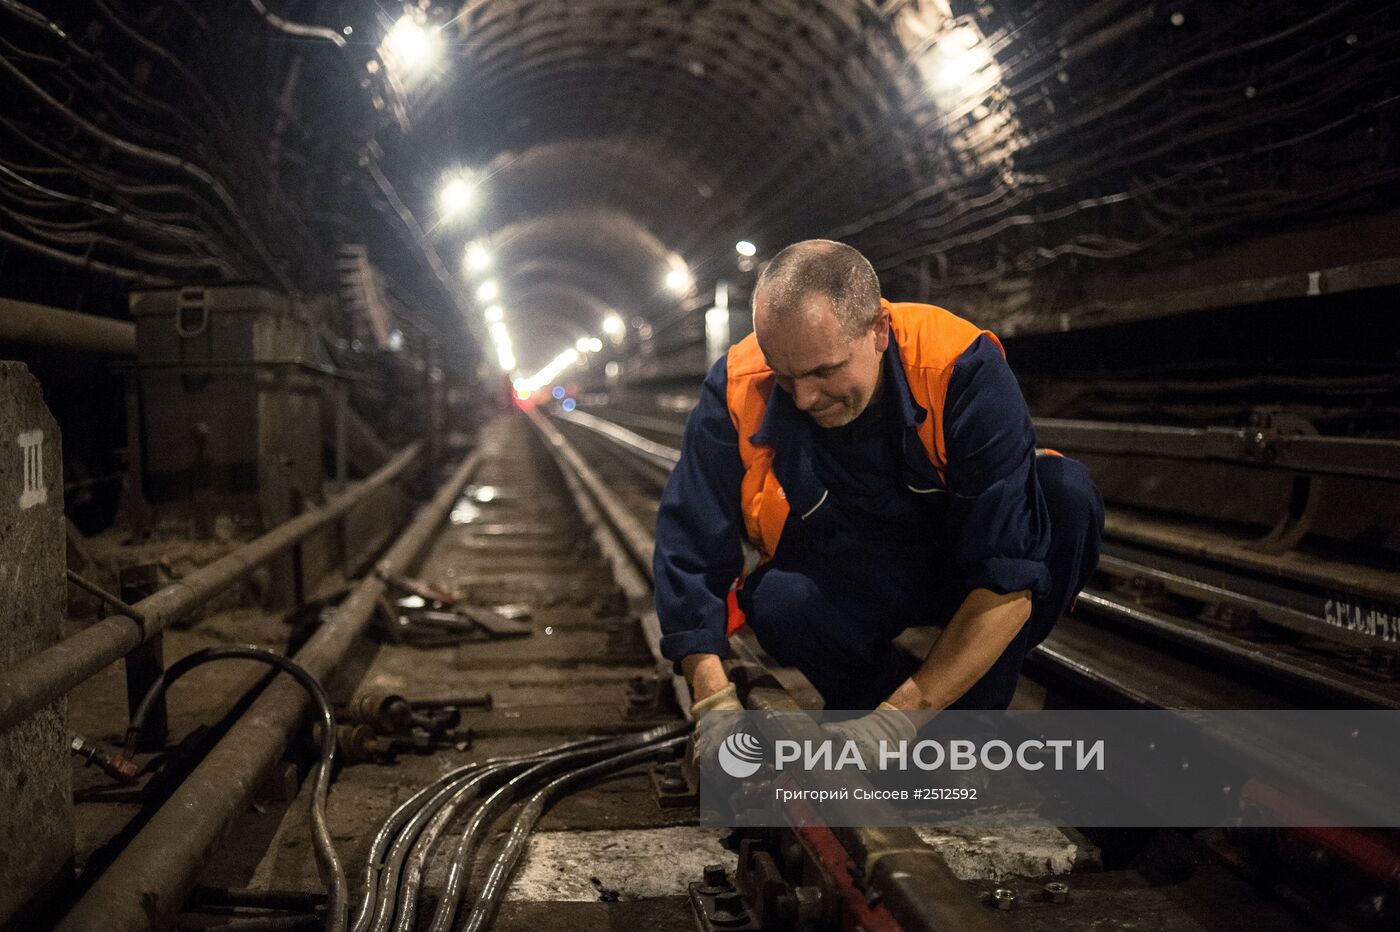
<point>494,313</point>
<point>412,47</point>
<point>745,248</point>
<point>613,325</point>
<point>581,344</point>
<point>595,345</point>
<point>506,357</point>
<point>498,332</point>
<point>477,257</point>
<point>457,196</point>
<point>678,279</point>
<point>489,290</point>
<point>957,57</point>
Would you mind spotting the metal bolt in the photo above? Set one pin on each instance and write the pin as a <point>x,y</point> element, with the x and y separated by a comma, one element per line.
<point>729,910</point>
<point>1004,898</point>
<point>1056,892</point>
<point>673,785</point>
<point>716,876</point>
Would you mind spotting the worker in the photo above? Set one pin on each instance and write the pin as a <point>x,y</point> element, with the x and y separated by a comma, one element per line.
<point>855,467</point>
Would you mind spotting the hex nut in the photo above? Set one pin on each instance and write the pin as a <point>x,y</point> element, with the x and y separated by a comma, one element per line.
<point>1004,898</point>
<point>1056,892</point>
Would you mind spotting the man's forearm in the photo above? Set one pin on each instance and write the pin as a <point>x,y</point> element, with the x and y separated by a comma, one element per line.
<point>979,631</point>
<point>705,674</point>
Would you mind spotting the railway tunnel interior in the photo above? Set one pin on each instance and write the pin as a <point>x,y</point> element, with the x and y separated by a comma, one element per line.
<point>366,334</point>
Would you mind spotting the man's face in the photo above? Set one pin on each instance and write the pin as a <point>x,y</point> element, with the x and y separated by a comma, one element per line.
<point>829,374</point>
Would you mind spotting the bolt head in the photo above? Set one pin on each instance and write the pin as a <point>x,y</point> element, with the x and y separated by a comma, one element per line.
<point>715,875</point>
<point>1004,898</point>
<point>1056,892</point>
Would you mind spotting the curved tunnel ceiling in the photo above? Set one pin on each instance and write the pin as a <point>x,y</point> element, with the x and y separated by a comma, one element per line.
<point>985,153</point>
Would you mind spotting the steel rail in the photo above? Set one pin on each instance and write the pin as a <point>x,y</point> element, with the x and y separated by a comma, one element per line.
<point>22,322</point>
<point>1358,457</point>
<point>656,453</point>
<point>48,675</point>
<point>154,874</point>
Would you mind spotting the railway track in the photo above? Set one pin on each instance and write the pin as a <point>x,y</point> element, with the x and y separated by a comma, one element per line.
<point>541,808</point>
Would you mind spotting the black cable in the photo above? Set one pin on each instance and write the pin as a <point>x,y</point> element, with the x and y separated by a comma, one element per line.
<point>320,829</point>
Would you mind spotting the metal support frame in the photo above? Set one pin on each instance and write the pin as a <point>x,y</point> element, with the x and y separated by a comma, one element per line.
<point>50,674</point>
<point>154,874</point>
<point>146,663</point>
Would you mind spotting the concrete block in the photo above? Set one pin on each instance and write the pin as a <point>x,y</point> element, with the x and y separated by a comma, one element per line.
<point>36,820</point>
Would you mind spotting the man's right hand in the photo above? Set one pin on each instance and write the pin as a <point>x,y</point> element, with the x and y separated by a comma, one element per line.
<point>708,739</point>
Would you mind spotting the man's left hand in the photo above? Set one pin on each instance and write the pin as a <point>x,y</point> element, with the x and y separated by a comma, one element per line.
<point>886,724</point>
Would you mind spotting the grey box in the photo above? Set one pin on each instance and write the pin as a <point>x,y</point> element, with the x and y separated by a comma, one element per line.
<point>227,406</point>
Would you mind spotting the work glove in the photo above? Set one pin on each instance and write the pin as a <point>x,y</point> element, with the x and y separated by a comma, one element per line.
<point>886,724</point>
<point>707,740</point>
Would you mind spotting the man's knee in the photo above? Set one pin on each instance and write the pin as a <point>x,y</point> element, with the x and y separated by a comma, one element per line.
<point>1076,511</point>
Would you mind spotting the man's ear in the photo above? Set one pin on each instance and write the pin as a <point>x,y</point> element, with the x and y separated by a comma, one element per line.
<point>882,329</point>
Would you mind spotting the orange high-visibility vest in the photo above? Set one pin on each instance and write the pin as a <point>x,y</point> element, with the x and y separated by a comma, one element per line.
<point>930,339</point>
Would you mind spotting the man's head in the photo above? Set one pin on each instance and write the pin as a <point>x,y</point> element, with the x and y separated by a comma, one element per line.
<point>818,319</point>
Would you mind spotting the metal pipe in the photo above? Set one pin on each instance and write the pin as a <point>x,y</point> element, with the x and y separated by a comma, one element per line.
<point>48,675</point>
<point>22,322</point>
<point>153,875</point>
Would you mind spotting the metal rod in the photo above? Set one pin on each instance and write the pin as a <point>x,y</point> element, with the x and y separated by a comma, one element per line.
<point>1361,457</point>
<point>48,675</point>
<point>156,871</point>
<point>22,322</point>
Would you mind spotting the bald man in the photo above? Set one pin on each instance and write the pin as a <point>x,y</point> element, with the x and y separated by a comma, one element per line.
<point>855,467</point>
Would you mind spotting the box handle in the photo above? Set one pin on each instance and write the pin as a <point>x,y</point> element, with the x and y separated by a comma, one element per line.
<point>191,299</point>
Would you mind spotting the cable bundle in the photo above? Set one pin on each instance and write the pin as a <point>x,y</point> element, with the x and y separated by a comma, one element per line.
<point>406,841</point>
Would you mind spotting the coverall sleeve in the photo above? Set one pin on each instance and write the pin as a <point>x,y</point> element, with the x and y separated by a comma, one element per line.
<point>698,526</point>
<point>998,525</point>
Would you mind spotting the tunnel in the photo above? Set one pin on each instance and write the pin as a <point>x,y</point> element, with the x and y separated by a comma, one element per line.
<point>804,465</point>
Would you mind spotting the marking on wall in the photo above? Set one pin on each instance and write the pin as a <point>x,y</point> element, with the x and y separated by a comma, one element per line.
<point>31,445</point>
<point>1314,284</point>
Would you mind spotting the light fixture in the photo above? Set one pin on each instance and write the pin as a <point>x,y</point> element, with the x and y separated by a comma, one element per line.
<point>613,325</point>
<point>957,57</point>
<point>745,248</point>
<point>477,257</point>
<point>488,290</point>
<point>457,195</point>
<point>411,47</point>
<point>495,313</point>
<point>581,344</point>
<point>678,280</point>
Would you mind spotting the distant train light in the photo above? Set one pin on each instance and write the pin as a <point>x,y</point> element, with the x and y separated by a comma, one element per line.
<point>523,394</point>
<point>614,327</point>
<point>569,404</point>
<point>557,391</point>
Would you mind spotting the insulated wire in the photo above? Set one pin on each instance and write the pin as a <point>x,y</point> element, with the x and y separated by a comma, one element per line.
<point>320,830</point>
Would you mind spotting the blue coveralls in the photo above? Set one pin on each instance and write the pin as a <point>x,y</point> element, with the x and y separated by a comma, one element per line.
<point>876,557</point>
